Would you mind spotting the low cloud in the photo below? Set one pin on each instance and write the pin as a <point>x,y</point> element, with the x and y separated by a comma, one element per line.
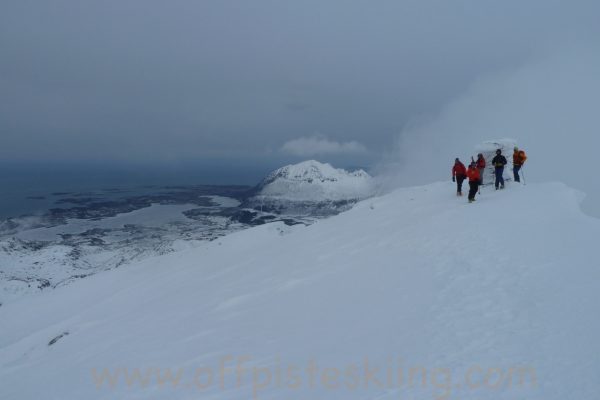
<point>315,145</point>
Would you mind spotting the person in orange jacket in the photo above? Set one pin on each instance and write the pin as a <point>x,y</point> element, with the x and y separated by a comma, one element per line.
<point>519,158</point>
<point>480,167</point>
<point>459,173</point>
<point>474,177</point>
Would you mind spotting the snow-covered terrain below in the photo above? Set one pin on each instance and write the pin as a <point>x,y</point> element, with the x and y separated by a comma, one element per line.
<point>415,294</point>
<point>92,233</point>
<point>43,257</point>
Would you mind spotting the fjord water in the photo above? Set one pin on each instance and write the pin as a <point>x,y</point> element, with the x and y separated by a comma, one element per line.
<point>30,189</point>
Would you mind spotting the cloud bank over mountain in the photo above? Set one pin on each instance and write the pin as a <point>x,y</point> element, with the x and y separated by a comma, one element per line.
<point>316,145</point>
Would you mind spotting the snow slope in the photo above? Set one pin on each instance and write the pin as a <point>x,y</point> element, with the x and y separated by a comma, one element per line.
<point>451,297</point>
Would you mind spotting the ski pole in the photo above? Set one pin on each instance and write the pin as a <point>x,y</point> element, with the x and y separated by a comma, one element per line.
<point>523,173</point>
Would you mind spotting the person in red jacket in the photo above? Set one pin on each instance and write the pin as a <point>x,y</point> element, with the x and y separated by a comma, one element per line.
<point>474,177</point>
<point>480,167</point>
<point>459,173</point>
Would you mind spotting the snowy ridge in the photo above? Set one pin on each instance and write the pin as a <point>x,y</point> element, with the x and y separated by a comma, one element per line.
<point>417,277</point>
<point>315,181</point>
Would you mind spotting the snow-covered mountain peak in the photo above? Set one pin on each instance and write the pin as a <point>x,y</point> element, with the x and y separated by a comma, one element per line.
<point>313,171</point>
<point>315,181</point>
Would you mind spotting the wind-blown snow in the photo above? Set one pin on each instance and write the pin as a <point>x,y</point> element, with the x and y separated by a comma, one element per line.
<point>550,105</point>
<point>414,279</point>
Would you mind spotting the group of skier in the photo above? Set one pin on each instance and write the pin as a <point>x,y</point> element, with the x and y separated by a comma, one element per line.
<point>474,173</point>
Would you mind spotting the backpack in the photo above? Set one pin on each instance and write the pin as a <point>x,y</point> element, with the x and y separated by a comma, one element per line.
<point>519,158</point>
<point>522,156</point>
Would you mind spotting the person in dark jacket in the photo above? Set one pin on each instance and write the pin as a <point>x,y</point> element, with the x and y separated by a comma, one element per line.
<point>474,177</point>
<point>499,162</point>
<point>459,173</point>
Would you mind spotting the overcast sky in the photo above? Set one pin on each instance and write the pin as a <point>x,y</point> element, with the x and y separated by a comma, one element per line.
<point>157,81</point>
